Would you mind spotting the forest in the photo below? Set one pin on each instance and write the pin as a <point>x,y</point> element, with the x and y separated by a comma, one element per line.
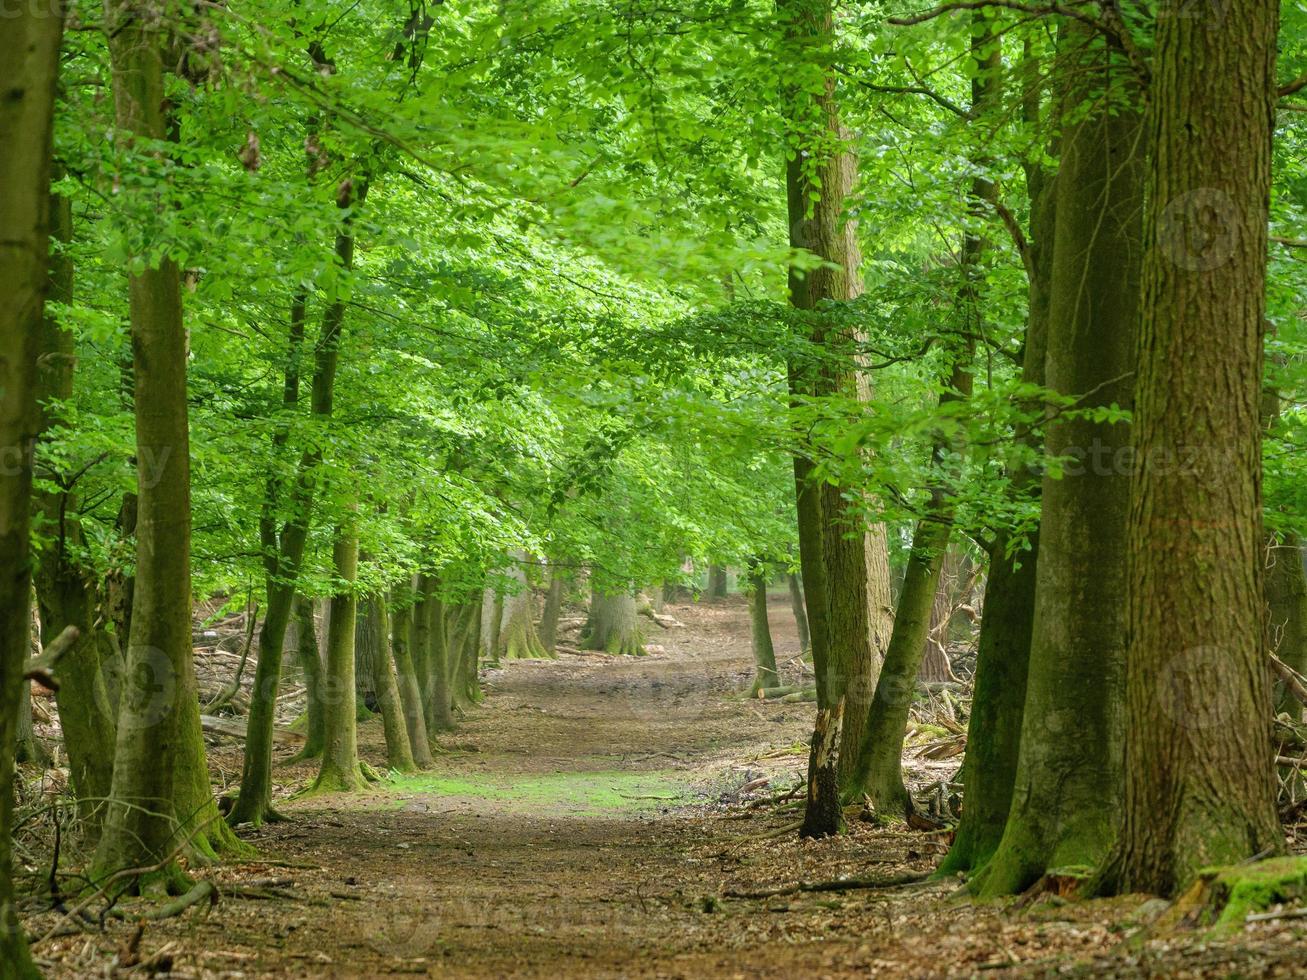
<point>669,488</point>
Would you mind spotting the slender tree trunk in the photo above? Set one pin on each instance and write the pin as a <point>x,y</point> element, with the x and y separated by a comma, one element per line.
<point>399,750</point>
<point>1199,786</point>
<point>613,625</point>
<point>283,552</point>
<point>553,607</point>
<point>65,591</point>
<point>310,660</point>
<point>800,613</point>
<point>1066,792</point>
<point>410,692</point>
<point>29,50</point>
<point>1003,649</point>
<point>340,770</point>
<point>1286,601</point>
<point>465,641</point>
<point>764,653</point>
<point>492,619</point>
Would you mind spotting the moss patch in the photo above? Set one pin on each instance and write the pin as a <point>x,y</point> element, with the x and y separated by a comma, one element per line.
<point>1240,891</point>
<point>578,793</point>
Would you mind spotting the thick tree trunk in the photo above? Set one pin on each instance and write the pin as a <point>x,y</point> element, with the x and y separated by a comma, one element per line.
<point>464,630</point>
<point>518,638</point>
<point>410,692</point>
<point>340,771</point>
<point>160,786</point>
<point>373,631</point>
<point>613,626</point>
<point>1199,786</point>
<point>1066,792</point>
<point>764,653</point>
<point>492,619</point>
<point>1286,601</point>
<point>29,50</point>
<point>437,699</point>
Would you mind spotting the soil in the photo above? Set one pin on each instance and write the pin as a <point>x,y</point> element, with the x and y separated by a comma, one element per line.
<point>588,819</point>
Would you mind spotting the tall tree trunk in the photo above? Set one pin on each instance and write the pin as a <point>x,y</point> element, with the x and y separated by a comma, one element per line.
<point>410,692</point>
<point>764,653</point>
<point>29,50</point>
<point>846,574</point>
<point>66,591</point>
<point>283,553</point>
<point>375,630</point>
<point>1066,791</point>
<point>553,608</point>
<point>800,613</point>
<point>1003,649</point>
<point>160,786</point>
<point>1199,786</point>
<point>613,625</point>
<point>877,772</point>
<point>340,771</point>
<point>492,619</point>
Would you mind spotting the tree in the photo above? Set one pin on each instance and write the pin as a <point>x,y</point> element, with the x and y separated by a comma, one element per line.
<point>1199,786</point>
<point>1067,783</point>
<point>29,50</point>
<point>764,654</point>
<point>613,625</point>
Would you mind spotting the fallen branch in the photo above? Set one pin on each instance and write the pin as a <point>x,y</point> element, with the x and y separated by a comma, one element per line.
<point>42,668</point>
<point>198,893</point>
<point>836,885</point>
<point>1293,680</point>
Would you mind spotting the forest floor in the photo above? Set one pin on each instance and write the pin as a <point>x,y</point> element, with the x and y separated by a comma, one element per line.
<point>587,820</point>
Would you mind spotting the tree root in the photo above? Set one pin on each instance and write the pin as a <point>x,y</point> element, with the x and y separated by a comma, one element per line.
<point>835,885</point>
<point>1224,899</point>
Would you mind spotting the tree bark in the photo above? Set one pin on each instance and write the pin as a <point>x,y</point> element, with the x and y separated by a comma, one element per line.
<point>1066,791</point>
<point>553,608</point>
<point>437,698</point>
<point>160,785</point>
<point>613,626</point>
<point>764,653</point>
<point>518,637</point>
<point>310,661</point>
<point>340,771</point>
<point>716,582</point>
<point>1200,786</point>
<point>1286,601</point>
<point>800,613</point>
<point>410,692</point>
<point>376,627</point>
<point>29,50</point>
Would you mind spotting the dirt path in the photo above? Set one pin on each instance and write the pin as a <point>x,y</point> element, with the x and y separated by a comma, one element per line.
<point>578,826</point>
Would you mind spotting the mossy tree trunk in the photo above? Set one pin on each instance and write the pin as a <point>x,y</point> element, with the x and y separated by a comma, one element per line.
<point>846,573</point>
<point>1003,648</point>
<point>518,639</point>
<point>160,785</point>
<point>373,630</point>
<point>437,700</point>
<point>310,660</point>
<point>613,625</point>
<point>65,590</point>
<point>1199,779</point>
<point>464,642</point>
<point>340,770</point>
<point>1066,791</point>
<point>29,50</point>
<point>876,773</point>
<point>764,653</point>
<point>410,692</point>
